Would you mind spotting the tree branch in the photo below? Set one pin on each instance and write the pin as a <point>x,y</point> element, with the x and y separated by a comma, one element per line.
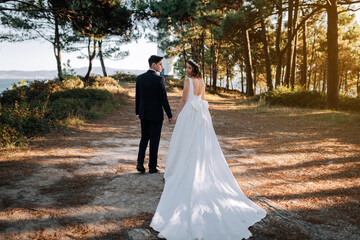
<point>348,2</point>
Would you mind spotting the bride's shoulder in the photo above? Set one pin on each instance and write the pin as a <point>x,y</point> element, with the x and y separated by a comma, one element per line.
<point>199,80</point>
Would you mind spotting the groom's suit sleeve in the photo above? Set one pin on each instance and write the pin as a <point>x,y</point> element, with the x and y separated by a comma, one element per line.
<point>164,99</point>
<point>137,97</point>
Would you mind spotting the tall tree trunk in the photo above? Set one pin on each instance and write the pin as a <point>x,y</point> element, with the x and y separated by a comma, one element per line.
<point>195,49</point>
<point>346,82</point>
<point>254,68</point>
<point>91,55</point>
<point>214,68</point>
<point>315,83</point>
<point>227,78</point>
<point>248,63</point>
<point>102,59</point>
<point>311,59</point>
<point>211,61</point>
<point>358,85</point>
<point>216,50</point>
<point>185,59</point>
<point>304,63</point>
<point>203,55</point>
<point>242,77</point>
<point>57,49</point>
<point>283,76</point>
<point>333,57</point>
<point>341,77</point>
<point>324,80</point>
<point>290,52</point>
<point>267,55</point>
<point>279,55</point>
<point>293,63</point>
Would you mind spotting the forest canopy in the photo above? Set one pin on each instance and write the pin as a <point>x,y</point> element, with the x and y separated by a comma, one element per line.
<point>291,44</point>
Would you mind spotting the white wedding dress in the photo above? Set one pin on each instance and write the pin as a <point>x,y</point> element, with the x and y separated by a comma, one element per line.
<point>201,198</point>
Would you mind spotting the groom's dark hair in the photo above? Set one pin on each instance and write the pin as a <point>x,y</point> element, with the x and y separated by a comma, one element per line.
<point>154,59</point>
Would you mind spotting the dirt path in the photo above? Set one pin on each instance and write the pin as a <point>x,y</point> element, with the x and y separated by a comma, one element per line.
<point>82,184</point>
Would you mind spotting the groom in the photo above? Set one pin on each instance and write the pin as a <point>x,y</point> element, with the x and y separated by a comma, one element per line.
<point>150,99</point>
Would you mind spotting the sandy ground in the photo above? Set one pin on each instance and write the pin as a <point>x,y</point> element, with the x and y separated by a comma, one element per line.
<point>82,183</point>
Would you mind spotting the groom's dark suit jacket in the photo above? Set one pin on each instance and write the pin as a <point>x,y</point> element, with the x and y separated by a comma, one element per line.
<point>151,97</point>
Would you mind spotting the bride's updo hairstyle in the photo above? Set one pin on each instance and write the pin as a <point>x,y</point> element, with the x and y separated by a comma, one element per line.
<point>196,73</point>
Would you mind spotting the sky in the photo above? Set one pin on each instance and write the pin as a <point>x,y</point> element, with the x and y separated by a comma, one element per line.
<point>39,55</point>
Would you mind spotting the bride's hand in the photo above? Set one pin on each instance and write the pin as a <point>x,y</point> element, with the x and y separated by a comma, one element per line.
<point>173,120</point>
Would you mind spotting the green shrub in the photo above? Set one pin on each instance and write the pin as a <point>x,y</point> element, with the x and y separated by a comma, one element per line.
<point>303,98</point>
<point>36,92</point>
<point>92,114</point>
<point>28,111</point>
<point>61,108</point>
<point>10,135</point>
<point>94,95</point>
<point>349,104</point>
<point>24,119</point>
<point>77,102</point>
<point>124,77</point>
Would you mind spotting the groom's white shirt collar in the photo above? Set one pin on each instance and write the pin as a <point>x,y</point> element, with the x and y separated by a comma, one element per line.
<point>150,69</point>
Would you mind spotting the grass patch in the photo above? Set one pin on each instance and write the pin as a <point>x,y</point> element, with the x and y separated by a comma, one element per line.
<point>73,121</point>
<point>332,117</point>
<point>327,117</point>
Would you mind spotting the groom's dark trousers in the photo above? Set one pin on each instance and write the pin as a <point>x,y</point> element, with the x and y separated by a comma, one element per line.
<point>151,99</point>
<point>150,130</point>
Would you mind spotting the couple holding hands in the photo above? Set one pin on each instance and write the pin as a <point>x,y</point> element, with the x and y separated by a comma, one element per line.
<point>201,198</point>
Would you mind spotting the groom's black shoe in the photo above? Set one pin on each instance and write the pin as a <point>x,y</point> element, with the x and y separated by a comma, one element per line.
<point>140,169</point>
<point>154,170</point>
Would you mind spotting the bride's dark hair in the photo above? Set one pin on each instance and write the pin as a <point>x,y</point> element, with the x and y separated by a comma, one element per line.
<point>195,69</point>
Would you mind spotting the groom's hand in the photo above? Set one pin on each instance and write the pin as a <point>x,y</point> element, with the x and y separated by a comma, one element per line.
<point>138,117</point>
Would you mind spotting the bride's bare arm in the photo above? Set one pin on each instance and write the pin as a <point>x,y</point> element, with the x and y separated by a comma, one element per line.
<point>203,92</point>
<point>184,96</point>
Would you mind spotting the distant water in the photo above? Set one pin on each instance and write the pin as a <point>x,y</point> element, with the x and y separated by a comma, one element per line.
<point>8,83</point>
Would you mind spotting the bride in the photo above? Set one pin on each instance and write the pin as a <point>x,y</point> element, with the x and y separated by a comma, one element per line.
<point>201,198</point>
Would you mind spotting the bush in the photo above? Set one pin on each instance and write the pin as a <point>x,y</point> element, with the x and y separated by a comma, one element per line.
<point>303,98</point>
<point>124,77</point>
<point>349,104</point>
<point>37,91</point>
<point>77,102</point>
<point>24,120</point>
<point>61,108</point>
<point>108,83</point>
<point>94,95</point>
<point>10,135</point>
<point>70,83</point>
<point>105,81</point>
<point>28,111</point>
